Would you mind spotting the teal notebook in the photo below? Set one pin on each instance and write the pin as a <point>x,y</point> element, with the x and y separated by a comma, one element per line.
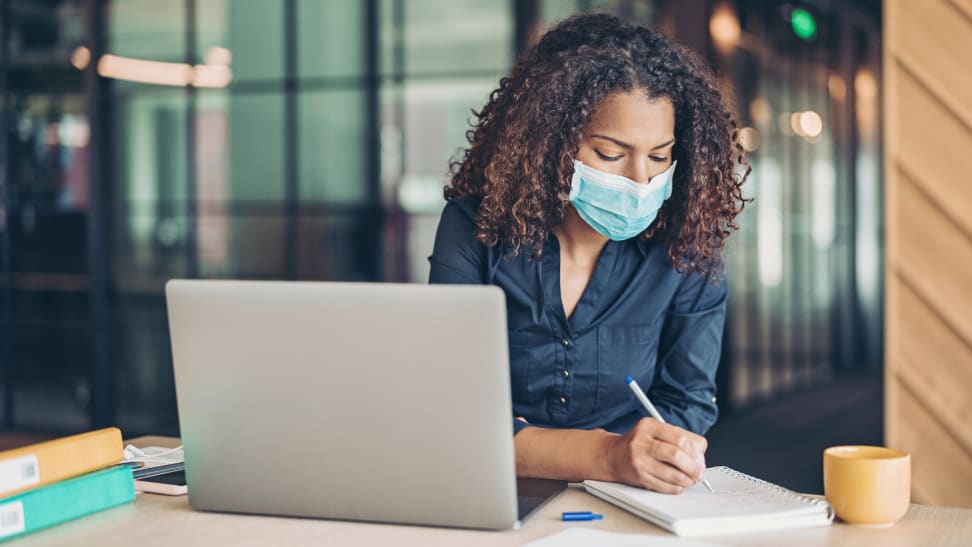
<point>65,500</point>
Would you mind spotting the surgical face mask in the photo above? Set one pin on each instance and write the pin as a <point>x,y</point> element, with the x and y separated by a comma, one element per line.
<point>618,207</point>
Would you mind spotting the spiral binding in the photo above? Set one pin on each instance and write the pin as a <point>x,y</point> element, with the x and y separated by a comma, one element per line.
<point>779,489</point>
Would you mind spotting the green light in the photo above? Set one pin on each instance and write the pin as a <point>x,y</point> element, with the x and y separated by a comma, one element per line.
<point>804,25</point>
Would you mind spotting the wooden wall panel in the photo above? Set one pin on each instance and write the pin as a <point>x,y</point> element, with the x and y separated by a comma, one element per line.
<point>928,212</point>
<point>930,343</point>
<point>936,160</point>
<point>934,256</point>
<point>931,39</point>
<point>965,6</point>
<point>931,482</point>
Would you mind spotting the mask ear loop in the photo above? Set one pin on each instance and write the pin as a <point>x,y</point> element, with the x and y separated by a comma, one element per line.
<point>671,182</point>
<point>565,198</point>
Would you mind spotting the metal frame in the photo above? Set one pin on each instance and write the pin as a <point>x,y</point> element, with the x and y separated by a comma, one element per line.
<point>843,315</point>
<point>373,131</point>
<point>97,234</point>
<point>192,235</point>
<point>6,253</point>
<point>526,18</point>
<point>291,152</point>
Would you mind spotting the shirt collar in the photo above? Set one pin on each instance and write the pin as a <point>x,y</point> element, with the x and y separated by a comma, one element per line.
<point>641,243</point>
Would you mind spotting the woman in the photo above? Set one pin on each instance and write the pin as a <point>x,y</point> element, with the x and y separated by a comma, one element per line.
<point>598,191</point>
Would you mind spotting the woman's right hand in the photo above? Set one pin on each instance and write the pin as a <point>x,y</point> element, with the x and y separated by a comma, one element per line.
<point>657,456</point>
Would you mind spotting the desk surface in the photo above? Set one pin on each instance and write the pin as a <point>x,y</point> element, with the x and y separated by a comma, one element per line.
<point>168,520</point>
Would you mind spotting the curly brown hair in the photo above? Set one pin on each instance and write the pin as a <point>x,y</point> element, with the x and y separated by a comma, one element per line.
<point>520,158</point>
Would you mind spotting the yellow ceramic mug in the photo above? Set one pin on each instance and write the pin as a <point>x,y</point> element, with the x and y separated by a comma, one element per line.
<point>867,485</point>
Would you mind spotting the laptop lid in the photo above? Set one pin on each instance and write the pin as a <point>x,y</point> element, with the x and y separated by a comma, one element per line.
<point>377,402</point>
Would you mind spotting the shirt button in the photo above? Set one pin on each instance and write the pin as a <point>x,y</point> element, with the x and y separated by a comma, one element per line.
<point>563,400</point>
<point>564,373</point>
<point>565,342</point>
<point>713,399</point>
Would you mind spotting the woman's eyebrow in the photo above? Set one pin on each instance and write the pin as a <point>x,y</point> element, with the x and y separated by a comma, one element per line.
<point>664,144</point>
<point>623,144</point>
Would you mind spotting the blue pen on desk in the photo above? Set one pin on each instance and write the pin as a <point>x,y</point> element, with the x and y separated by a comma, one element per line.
<point>580,516</point>
<point>636,389</point>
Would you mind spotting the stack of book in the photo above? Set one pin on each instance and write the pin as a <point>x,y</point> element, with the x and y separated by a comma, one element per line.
<point>56,481</point>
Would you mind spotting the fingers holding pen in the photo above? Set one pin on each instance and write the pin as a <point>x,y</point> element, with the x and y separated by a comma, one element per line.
<point>651,456</point>
<point>672,446</point>
<point>685,450</point>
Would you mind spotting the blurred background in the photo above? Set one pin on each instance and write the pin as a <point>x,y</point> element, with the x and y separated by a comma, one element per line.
<point>309,140</point>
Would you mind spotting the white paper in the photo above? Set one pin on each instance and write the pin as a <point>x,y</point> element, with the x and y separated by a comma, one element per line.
<point>157,455</point>
<point>585,537</point>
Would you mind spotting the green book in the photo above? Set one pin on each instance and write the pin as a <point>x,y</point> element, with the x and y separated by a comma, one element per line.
<point>66,500</point>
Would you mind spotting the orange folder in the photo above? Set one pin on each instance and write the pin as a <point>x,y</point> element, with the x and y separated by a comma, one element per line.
<point>36,465</point>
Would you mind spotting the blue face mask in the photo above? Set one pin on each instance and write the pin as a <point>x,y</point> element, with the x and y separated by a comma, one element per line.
<point>618,207</point>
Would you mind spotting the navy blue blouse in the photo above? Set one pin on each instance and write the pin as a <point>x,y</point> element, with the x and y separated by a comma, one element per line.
<point>637,317</point>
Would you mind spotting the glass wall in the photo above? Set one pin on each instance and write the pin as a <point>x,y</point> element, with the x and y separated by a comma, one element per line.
<point>45,341</point>
<point>440,60</point>
<point>257,169</point>
<point>802,309</point>
<point>307,139</point>
<point>147,211</point>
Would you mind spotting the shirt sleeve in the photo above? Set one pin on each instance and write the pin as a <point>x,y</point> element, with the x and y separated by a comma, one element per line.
<point>457,257</point>
<point>684,388</point>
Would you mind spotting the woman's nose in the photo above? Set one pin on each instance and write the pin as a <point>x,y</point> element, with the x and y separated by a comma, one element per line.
<point>641,171</point>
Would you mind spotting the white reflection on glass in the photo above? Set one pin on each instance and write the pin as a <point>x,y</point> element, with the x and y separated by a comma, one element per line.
<point>868,258</point>
<point>749,139</point>
<point>822,181</point>
<point>163,72</point>
<point>419,194</point>
<point>811,124</point>
<point>761,112</point>
<point>724,27</point>
<point>837,87</point>
<point>769,231</point>
<point>80,57</point>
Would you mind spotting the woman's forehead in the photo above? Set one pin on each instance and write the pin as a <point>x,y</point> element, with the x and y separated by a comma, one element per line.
<point>634,118</point>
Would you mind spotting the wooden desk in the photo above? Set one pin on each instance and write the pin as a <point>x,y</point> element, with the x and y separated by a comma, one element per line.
<point>164,520</point>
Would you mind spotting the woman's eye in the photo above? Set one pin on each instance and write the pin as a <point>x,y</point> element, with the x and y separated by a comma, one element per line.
<point>659,159</point>
<point>605,157</point>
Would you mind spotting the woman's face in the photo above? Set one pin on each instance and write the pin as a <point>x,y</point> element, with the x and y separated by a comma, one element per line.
<point>630,135</point>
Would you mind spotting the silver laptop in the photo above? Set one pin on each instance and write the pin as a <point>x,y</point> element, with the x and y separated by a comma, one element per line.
<point>360,401</point>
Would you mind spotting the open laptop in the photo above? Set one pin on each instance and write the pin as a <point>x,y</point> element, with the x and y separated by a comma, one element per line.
<point>360,401</point>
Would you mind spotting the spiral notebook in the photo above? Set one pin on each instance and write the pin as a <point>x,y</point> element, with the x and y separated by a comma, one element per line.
<point>738,503</point>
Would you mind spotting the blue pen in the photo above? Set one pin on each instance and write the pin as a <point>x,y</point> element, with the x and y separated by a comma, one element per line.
<point>580,516</point>
<point>636,389</point>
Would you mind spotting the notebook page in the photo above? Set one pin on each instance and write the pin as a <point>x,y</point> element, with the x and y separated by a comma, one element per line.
<point>734,495</point>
